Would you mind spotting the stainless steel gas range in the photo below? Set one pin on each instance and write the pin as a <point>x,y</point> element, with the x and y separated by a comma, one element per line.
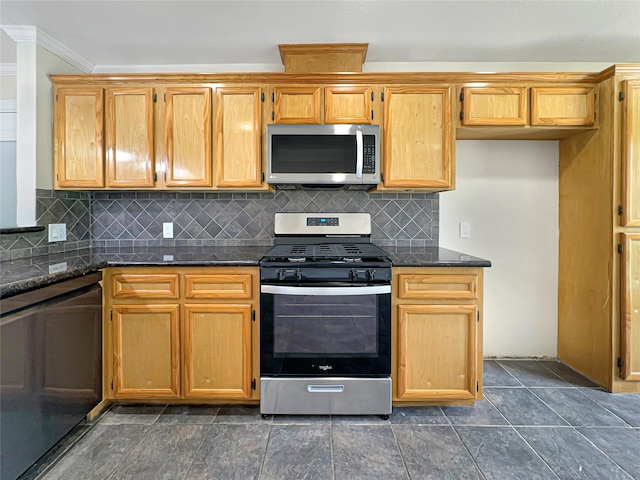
<point>325,310</point>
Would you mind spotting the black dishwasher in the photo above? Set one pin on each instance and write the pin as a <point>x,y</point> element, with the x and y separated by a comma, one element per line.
<point>51,367</point>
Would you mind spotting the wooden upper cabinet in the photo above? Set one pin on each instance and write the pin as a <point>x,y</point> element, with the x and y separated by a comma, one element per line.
<point>130,130</point>
<point>238,137</point>
<point>631,153</point>
<point>79,145</point>
<point>571,106</point>
<point>418,138</point>
<point>630,307</point>
<point>188,137</point>
<point>298,104</point>
<point>494,106</point>
<point>349,104</point>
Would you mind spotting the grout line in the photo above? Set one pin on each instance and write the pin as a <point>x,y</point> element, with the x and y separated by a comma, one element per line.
<point>473,459</point>
<point>602,451</point>
<point>404,463</point>
<point>266,448</point>
<point>333,458</point>
<point>204,437</point>
<point>605,407</point>
<point>535,451</point>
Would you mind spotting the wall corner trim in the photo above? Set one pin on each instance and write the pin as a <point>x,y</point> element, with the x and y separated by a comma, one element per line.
<point>31,34</point>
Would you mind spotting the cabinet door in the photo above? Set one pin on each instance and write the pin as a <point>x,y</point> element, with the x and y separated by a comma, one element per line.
<point>146,351</point>
<point>217,351</point>
<point>563,106</point>
<point>297,104</point>
<point>437,352</point>
<point>630,307</point>
<point>79,146</point>
<point>494,106</point>
<point>188,136</point>
<point>348,104</point>
<point>130,154</point>
<point>238,129</point>
<point>631,153</point>
<point>418,138</point>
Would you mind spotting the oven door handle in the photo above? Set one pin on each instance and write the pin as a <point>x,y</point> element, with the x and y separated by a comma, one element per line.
<point>325,291</point>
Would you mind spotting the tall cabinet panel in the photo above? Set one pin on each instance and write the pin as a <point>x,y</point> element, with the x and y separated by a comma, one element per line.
<point>130,152</point>
<point>238,130</point>
<point>630,307</point>
<point>631,153</point>
<point>188,136</point>
<point>418,137</point>
<point>79,145</point>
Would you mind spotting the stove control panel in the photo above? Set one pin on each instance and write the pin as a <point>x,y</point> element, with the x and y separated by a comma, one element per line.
<point>323,222</point>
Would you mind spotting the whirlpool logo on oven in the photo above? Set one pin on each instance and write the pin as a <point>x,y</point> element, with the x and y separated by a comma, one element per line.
<point>324,368</point>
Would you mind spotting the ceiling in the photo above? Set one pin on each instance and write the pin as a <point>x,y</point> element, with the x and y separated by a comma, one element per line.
<point>184,32</point>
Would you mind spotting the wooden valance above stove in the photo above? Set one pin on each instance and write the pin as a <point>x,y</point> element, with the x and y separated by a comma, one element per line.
<point>323,57</point>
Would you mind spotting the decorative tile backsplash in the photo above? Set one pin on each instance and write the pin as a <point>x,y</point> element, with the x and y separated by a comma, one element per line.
<point>134,219</point>
<point>72,208</point>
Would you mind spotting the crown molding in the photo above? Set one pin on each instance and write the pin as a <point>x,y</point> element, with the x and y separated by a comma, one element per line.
<point>8,69</point>
<point>31,34</point>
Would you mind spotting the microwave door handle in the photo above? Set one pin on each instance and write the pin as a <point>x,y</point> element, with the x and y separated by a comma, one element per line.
<point>359,153</point>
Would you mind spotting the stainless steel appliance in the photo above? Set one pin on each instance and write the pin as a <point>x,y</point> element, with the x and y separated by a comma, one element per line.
<point>325,310</point>
<point>323,156</point>
<point>51,359</point>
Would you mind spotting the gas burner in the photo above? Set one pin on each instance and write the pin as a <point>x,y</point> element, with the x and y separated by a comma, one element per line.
<point>296,259</point>
<point>352,259</point>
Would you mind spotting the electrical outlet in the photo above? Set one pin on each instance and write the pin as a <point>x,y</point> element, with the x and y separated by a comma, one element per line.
<point>58,267</point>
<point>465,230</point>
<point>167,230</point>
<point>57,232</point>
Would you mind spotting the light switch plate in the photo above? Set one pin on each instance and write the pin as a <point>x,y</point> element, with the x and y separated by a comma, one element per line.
<point>465,230</point>
<point>167,230</point>
<point>57,232</point>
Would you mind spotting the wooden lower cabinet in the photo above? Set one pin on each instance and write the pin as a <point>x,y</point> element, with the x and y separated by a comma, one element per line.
<point>437,324</point>
<point>184,346</point>
<point>217,351</point>
<point>146,351</point>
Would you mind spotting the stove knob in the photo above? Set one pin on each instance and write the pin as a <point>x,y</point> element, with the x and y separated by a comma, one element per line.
<point>298,274</point>
<point>371,273</point>
<point>281,274</point>
<point>352,274</point>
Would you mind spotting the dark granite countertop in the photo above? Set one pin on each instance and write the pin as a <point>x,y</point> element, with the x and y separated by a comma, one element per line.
<point>19,276</point>
<point>432,257</point>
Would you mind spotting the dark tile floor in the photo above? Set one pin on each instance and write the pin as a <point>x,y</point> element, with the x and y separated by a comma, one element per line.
<point>539,420</point>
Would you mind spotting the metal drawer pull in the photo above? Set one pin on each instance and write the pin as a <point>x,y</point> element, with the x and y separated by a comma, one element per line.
<point>325,388</point>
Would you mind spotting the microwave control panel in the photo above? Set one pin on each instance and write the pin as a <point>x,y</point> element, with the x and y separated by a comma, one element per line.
<point>369,154</point>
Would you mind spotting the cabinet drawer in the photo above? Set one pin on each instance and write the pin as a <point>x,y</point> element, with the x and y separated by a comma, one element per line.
<point>427,287</point>
<point>563,106</point>
<point>132,285</point>
<point>218,286</point>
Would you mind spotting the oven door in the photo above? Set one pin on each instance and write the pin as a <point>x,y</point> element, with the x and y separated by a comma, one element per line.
<point>325,330</point>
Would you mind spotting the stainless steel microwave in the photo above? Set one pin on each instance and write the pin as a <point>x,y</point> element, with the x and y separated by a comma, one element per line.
<point>323,155</point>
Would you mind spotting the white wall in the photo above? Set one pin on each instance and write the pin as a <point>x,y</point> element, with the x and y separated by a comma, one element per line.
<point>508,190</point>
<point>47,63</point>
